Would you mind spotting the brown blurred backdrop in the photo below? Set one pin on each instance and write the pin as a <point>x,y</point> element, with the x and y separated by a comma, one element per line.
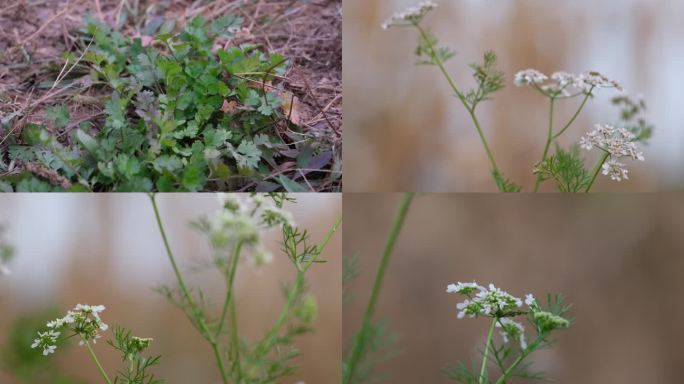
<point>405,131</point>
<point>617,258</point>
<point>106,249</point>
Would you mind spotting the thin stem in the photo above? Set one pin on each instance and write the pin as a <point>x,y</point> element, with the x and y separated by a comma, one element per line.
<point>197,321</point>
<point>519,360</point>
<point>235,342</point>
<point>323,244</point>
<point>490,335</point>
<point>229,286</point>
<point>97,362</point>
<point>549,139</point>
<point>359,342</point>
<point>471,110</point>
<point>595,171</point>
<point>267,341</point>
<point>575,116</point>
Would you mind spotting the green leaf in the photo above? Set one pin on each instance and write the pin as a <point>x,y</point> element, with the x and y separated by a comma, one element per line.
<point>291,185</point>
<point>193,178</point>
<point>169,163</point>
<point>59,115</point>
<point>127,166</point>
<point>226,24</point>
<point>86,141</point>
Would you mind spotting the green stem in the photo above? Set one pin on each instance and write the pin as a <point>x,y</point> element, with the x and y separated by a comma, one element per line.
<point>198,322</point>
<point>452,84</point>
<point>267,341</point>
<point>549,139</point>
<point>229,286</point>
<point>519,360</point>
<point>490,335</point>
<point>575,116</point>
<point>323,244</point>
<point>359,342</point>
<point>235,342</point>
<point>595,171</point>
<point>97,362</point>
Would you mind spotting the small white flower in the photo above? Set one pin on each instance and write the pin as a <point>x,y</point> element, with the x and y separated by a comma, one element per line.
<point>512,329</point>
<point>46,341</point>
<point>616,170</point>
<point>464,288</point>
<point>412,15</point>
<point>618,143</point>
<point>529,299</point>
<point>529,77</point>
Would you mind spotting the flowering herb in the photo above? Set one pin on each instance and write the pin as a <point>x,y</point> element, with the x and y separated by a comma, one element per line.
<point>504,310</point>
<point>84,322</point>
<point>566,168</point>
<point>235,233</point>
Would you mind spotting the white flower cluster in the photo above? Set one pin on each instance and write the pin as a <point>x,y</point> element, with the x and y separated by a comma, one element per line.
<point>84,320</point>
<point>564,83</point>
<point>413,15</point>
<point>490,302</point>
<point>618,143</point>
<point>496,303</point>
<point>242,218</point>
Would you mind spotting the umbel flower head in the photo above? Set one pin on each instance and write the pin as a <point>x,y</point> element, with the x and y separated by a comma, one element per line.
<point>618,143</point>
<point>564,84</point>
<point>501,306</point>
<point>412,15</point>
<point>241,219</point>
<point>83,321</point>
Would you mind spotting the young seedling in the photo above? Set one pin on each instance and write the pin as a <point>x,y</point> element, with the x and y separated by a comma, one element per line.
<point>566,168</point>
<point>84,323</point>
<point>502,308</point>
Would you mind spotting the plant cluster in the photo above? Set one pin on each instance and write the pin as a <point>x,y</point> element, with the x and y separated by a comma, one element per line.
<point>502,308</point>
<point>182,116</point>
<point>234,233</point>
<point>84,323</point>
<point>566,167</point>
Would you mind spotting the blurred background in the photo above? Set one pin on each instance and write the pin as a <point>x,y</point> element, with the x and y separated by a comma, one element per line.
<point>106,249</point>
<point>617,258</point>
<point>405,131</point>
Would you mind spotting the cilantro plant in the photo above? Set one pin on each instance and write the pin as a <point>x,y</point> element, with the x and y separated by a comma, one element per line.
<point>510,357</point>
<point>566,169</point>
<point>85,324</point>
<point>234,234</point>
<point>181,115</point>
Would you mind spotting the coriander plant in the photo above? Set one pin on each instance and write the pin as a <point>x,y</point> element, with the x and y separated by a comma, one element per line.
<point>234,234</point>
<point>84,323</point>
<point>502,308</point>
<point>181,115</point>
<point>616,142</point>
